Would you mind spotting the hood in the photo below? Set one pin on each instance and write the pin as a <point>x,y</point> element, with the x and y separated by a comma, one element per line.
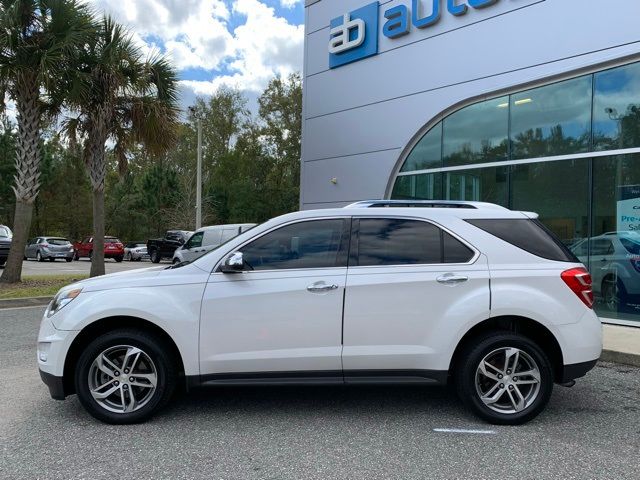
<point>146,277</point>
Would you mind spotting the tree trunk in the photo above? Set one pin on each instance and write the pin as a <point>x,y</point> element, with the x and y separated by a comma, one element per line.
<point>97,258</point>
<point>27,177</point>
<point>95,158</point>
<point>13,269</point>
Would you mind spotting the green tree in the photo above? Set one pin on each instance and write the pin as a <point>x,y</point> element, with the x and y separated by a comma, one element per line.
<point>281,113</point>
<point>39,40</point>
<point>130,101</point>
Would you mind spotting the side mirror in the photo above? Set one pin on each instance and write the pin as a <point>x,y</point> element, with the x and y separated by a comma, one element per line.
<point>233,264</point>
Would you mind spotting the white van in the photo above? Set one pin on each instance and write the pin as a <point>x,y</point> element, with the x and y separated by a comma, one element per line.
<point>208,238</point>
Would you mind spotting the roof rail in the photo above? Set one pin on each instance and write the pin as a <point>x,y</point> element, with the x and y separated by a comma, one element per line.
<point>422,204</point>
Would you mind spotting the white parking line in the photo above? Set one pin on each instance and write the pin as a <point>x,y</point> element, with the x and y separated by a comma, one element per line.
<point>462,430</point>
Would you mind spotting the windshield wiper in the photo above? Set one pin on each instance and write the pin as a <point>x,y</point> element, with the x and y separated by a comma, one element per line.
<point>178,265</point>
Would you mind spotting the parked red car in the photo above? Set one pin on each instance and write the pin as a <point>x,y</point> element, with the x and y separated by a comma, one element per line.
<point>113,248</point>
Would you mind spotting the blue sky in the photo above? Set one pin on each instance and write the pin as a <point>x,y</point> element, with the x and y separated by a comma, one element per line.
<point>241,43</point>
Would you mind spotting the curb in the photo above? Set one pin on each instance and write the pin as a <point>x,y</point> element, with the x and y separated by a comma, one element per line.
<point>624,358</point>
<point>25,302</point>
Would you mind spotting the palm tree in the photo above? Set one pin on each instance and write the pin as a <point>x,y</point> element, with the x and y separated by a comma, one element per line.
<point>38,41</point>
<point>131,101</point>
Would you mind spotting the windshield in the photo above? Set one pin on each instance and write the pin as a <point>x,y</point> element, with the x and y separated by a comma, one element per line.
<point>58,241</point>
<point>5,232</point>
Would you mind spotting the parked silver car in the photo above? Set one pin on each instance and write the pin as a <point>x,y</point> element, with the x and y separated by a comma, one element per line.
<point>615,266</point>
<point>136,251</point>
<point>49,248</point>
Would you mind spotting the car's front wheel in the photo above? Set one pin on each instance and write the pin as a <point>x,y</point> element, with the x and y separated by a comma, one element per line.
<point>504,378</point>
<point>155,256</point>
<point>125,376</point>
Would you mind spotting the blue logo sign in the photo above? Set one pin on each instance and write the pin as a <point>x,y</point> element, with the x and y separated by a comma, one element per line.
<point>354,36</point>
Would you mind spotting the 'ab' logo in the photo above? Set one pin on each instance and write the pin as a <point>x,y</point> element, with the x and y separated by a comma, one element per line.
<point>354,36</point>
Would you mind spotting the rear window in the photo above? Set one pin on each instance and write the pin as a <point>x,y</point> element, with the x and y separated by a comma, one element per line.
<point>111,240</point>
<point>58,241</point>
<point>529,235</point>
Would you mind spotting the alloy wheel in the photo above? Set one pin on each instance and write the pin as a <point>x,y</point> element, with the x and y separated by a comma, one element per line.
<point>508,380</point>
<point>122,379</point>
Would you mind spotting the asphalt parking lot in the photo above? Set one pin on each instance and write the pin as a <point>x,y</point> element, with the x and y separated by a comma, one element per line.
<point>82,266</point>
<point>589,431</point>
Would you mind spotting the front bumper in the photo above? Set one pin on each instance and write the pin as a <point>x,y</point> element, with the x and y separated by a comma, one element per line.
<point>53,346</point>
<point>55,384</point>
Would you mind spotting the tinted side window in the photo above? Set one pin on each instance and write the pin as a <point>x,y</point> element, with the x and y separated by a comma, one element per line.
<point>455,251</point>
<point>196,240</point>
<point>312,244</point>
<point>529,235</point>
<point>398,242</point>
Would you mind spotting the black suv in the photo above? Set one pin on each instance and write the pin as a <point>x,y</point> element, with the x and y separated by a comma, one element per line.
<point>5,243</point>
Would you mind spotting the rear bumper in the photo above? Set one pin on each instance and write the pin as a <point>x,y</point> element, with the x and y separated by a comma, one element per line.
<point>576,370</point>
<point>55,384</point>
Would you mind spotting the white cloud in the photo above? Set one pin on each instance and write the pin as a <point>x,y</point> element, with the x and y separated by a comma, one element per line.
<point>196,34</point>
<point>289,3</point>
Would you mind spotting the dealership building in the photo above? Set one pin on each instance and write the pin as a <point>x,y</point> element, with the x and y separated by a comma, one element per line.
<point>530,104</point>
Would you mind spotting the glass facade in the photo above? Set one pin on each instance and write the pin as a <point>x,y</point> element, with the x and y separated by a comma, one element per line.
<point>591,204</point>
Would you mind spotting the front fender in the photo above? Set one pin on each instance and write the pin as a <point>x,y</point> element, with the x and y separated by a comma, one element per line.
<point>173,308</point>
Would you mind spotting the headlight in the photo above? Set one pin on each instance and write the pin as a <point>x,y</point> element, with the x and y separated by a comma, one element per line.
<point>62,299</point>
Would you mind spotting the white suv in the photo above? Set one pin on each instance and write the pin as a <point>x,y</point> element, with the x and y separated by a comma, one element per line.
<point>380,291</point>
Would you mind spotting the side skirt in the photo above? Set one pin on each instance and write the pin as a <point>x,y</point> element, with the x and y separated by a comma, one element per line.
<point>348,377</point>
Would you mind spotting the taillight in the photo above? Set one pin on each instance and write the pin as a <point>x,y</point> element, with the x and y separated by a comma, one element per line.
<point>579,281</point>
<point>45,245</point>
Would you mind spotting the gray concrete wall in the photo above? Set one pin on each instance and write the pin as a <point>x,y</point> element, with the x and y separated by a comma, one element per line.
<point>359,118</point>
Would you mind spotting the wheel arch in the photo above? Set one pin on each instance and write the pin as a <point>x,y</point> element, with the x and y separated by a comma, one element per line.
<point>527,327</point>
<point>107,324</point>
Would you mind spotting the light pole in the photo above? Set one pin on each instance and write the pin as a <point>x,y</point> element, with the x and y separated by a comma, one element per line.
<point>199,178</point>
<point>198,119</point>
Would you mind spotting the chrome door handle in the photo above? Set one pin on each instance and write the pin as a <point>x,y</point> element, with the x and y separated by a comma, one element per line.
<point>321,287</point>
<point>451,279</point>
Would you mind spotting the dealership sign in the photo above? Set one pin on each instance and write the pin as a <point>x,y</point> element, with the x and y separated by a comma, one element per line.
<point>354,35</point>
<point>628,208</point>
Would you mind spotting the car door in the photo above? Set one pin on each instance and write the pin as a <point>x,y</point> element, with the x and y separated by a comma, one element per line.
<point>601,261</point>
<point>411,288</point>
<point>191,249</point>
<point>31,248</point>
<point>283,313</point>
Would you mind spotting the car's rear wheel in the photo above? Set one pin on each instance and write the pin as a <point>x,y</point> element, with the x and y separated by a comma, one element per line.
<point>614,295</point>
<point>504,378</point>
<point>68,259</point>
<point>125,376</point>
<point>39,257</point>
<point>118,259</point>
<point>155,256</point>
<point>76,256</point>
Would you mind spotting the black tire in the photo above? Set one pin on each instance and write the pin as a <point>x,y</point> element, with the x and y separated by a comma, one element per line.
<point>155,256</point>
<point>176,261</point>
<point>476,351</point>
<point>128,257</point>
<point>76,256</point>
<point>39,257</point>
<point>69,260</point>
<point>51,259</point>
<point>90,254</point>
<point>614,294</point>
<point>154,347</point>
<point>118,259</point>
